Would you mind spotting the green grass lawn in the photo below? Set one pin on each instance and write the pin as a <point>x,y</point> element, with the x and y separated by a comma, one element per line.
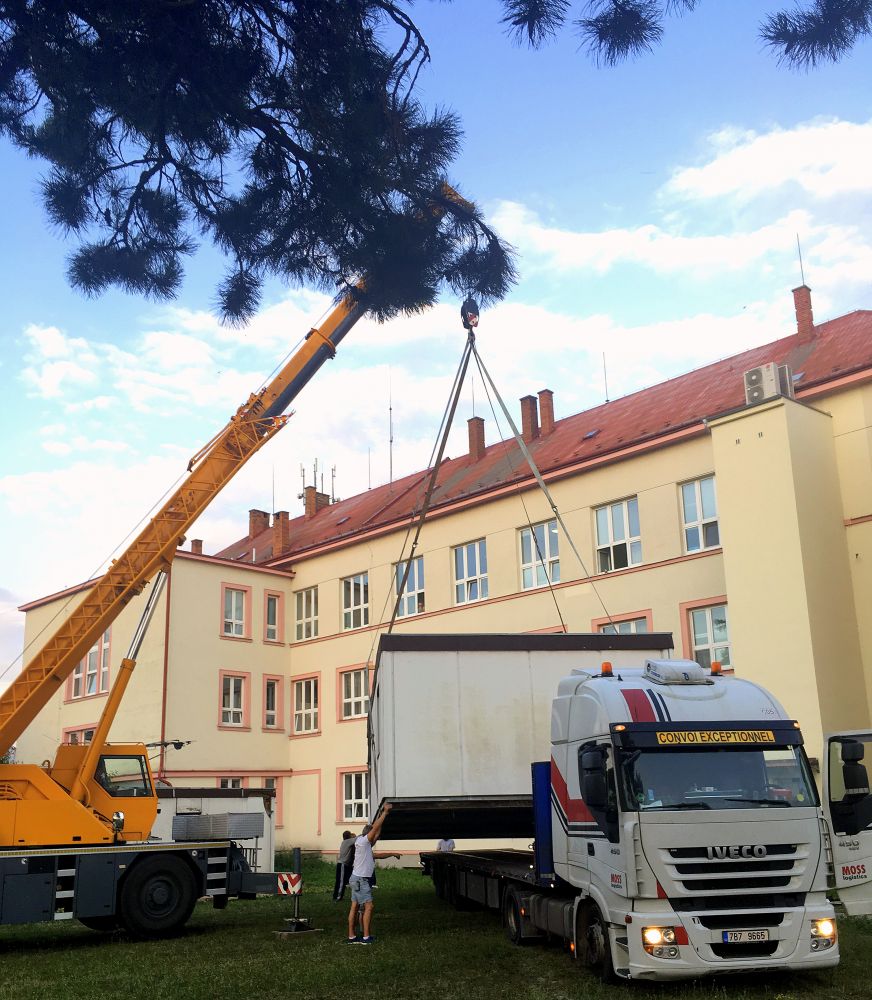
<point>424,950</point>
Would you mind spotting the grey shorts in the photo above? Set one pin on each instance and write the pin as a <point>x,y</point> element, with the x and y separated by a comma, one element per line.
<point>361,890</point>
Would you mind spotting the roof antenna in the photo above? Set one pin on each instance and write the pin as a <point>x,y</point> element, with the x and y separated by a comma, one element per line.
<point>605,376</point>
<point>390,431</point>
<point>799,251</point>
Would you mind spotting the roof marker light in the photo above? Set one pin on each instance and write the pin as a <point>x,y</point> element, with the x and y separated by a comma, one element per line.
<point>716,667</point>
<point>606,669</point>
<point>620,728</point>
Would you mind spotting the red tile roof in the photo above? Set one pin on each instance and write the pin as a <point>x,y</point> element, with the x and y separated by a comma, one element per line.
<point>839,348</point>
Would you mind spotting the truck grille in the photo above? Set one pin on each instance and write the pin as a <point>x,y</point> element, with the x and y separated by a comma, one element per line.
<point>693,871</point>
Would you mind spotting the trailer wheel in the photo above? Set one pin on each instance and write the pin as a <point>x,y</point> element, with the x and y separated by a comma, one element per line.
<point>512,916</point>
<point>105,925</point>
<point>592,942</point>
<point>157,897</point>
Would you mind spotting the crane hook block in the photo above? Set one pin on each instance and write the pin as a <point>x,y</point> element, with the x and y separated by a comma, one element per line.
<point>469,314</point>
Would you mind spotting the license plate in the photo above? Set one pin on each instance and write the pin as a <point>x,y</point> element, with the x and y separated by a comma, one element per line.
<point>744,937</point>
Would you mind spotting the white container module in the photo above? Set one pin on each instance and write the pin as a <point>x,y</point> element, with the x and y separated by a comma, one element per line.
<point>457,720</point>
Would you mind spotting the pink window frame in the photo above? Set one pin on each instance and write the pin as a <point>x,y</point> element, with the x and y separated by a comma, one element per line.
<point>68,690</point>
<point>280,704</point>
<point>314,675</point>
<point>626,616</point>
<point>65,732</point>
<point>246,612</point>
<point>246,701</point>
<point>280,617</point>
<point>684,610</point>
<point>244,779</point>
<point>339,699</point>
<point>340,781</point>
<point>279,799</point>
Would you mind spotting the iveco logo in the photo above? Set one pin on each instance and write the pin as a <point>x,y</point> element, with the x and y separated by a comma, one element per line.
<point>757,851</point>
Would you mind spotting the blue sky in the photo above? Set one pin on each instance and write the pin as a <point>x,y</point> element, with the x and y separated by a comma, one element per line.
<point>655,208</point>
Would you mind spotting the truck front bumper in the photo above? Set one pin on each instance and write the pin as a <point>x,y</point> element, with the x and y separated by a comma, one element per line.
<point>702,950</point>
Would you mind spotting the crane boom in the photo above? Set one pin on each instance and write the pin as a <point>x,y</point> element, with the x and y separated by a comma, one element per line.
<point>253,424</point>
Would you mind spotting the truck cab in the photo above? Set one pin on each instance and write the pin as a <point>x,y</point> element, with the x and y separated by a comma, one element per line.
<point>685,813</point>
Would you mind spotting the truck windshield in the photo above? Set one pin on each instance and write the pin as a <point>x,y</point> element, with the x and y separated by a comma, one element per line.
<point>740,778</point>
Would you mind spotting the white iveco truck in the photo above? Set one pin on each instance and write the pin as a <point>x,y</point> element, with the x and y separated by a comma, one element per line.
<point>678,829</point>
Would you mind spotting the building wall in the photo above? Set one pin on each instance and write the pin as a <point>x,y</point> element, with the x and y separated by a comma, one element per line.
<point>795,517</point>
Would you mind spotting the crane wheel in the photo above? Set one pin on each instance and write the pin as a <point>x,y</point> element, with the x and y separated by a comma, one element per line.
<point>157,897</point>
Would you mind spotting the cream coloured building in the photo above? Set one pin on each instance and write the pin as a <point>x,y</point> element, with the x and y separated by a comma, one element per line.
<point>731,509</point>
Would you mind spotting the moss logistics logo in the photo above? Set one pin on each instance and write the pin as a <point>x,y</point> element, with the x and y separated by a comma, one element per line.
<point>704,737</point>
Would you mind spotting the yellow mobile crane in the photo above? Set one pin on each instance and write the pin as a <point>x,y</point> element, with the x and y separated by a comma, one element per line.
<point>74,835</point>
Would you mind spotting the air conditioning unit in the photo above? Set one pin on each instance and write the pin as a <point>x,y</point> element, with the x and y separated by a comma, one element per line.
<point>785,379</point>
<point>762,383</point>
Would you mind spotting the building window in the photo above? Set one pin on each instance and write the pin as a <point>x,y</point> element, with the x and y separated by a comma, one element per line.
<point>355,601</point>
<point>273,617</point>
<point>355,795</point>
<point>412,600</point>
<point>630,626</point>
<point>273,709</point>
<point>79,737</point>
<point>91,676</point>
<point>355,693</point>
<point>230,782</point>
<point>234,699</point>
<point>540,555</point>
<point>470,572</point>
<point>236,611</point>
<point>700,511</point>
<point>307,613</point>
<point>618,540</point>
<point>710,636</point>
<point>306,705</point>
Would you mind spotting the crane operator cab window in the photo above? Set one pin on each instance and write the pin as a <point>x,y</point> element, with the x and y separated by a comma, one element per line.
<point>123,776</point>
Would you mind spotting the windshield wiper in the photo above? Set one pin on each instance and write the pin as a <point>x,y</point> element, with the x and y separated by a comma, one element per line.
<point>761,802</point>
<point>679,805</point>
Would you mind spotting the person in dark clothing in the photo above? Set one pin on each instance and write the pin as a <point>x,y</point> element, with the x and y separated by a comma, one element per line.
<point>344,864</point>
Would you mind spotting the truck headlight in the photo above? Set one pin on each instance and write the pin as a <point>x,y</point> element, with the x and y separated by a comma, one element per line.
<point>660,942</point>
<point>823,934</point>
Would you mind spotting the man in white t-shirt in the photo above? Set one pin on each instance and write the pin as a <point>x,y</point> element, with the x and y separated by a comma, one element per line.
<point>446,845</point>
<point>361,878</point>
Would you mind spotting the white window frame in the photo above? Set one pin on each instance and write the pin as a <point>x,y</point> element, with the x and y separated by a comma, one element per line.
<point>306,613</point>
<point>91,675</point>
<point>355,693</point>
<point>234,612</point>
<point>711,649</point>
<point>230,782</point>
<point>79,737</point>
<point>412,600</point>
<point>355,601</point>
<point>305,704</point>
<point>232,700</point>
<point>470,571</point>
<point>274,684</point>
<point>271,628</point>
<point>614,523</point>
<point>699,512</point>
<point>540,554</point>
<point>355,796</point>
<point>626,626</point>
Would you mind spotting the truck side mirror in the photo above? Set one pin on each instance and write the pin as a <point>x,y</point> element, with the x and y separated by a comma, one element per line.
<point>594,790</point>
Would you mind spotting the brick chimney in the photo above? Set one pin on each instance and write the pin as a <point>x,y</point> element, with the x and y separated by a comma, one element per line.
<point>281,532</point>
<point>529,419</point>
<point>546,410</point>
<point>315,501</point>
<point>258,521</point>
<point>804,316</point>
<point>197,546</point>
<point>476,438</point>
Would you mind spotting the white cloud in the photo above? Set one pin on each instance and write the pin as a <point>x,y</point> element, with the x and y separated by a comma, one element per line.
<point>823,158</point>
<point>650,246</point>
